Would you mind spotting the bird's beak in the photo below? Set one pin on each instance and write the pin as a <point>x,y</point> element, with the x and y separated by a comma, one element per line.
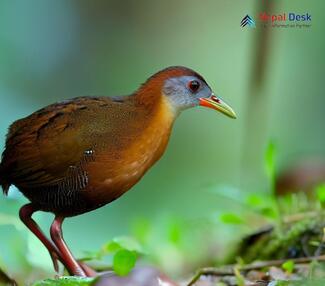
<point>217,103</point>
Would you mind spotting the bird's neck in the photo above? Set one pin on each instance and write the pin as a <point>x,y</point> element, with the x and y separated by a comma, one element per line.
<point>158,119</point>
<point>153,100</point>
<point>155,137</point>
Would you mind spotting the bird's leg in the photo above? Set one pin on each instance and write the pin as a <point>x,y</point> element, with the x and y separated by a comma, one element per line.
<point>70,262</point>
<point>25,214</point>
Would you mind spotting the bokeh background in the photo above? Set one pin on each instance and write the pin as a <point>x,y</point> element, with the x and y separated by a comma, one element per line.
<point>272,77</point>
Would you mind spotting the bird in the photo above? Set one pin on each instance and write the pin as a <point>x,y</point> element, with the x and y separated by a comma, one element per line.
<point>77,155</point>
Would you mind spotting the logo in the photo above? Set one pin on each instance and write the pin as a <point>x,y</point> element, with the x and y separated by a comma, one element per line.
<point>285,20</point>
<point>247,21</point>
<point>278,20</point>
<point>284,17</point>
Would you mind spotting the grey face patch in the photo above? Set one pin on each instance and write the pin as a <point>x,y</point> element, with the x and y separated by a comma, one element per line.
<point>180,95</point>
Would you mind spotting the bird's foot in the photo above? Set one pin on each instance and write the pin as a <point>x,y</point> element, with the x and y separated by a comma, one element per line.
<point>87,269</point>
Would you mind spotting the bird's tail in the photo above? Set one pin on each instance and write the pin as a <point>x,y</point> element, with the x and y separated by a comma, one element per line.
<point>4,184</point>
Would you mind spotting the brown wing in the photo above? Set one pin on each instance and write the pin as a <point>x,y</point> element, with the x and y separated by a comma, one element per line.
<point>46,147</point>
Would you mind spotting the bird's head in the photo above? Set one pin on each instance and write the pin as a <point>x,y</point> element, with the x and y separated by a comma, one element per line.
<point>184,88</point>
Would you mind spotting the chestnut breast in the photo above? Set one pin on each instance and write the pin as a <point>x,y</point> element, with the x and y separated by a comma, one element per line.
<point>120,163</point>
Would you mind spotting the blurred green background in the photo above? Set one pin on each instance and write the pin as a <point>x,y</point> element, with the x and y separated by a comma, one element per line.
<point>272,77</point>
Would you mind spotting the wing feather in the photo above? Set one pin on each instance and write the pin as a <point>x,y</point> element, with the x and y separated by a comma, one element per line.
<point>42,148</point>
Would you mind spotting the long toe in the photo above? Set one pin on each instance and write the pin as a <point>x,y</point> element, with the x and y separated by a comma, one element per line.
<point>87,269</point>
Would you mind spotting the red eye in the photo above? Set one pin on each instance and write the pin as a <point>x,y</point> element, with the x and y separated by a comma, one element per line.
<point>194,85</point>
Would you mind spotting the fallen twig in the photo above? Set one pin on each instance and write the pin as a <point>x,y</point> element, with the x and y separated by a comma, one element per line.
<point>230,269</point>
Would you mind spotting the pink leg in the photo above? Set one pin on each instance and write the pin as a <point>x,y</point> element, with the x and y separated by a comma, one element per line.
<point>70,262</point>
<point>25,214</point>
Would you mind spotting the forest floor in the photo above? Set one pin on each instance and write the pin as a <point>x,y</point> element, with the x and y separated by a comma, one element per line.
<point>267,273</point>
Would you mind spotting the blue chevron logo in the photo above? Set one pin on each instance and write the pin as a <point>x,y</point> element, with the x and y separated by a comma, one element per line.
<point>247,21</point>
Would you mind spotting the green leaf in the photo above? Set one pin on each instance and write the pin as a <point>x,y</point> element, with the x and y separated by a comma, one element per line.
<point>122,242</point>
<point>288,266</point>
<point>239,278</point>
<point>123,261</point>
<point>320,192</point>
<point>254,200</point>
<point>174,232</point>
<point>128,243</point>
<point>230,218</point>
<point>270,155</point>
<point>268,212</point>
<point>66,281</point>
<point>112,246</point>
<point>91,255</point>
<point>269,158</point>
